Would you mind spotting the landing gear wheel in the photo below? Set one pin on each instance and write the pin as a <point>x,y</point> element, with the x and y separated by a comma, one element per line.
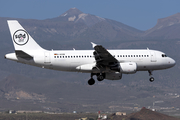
<point>100,77</point>
<point>151,79</point>
<point>91,81</point>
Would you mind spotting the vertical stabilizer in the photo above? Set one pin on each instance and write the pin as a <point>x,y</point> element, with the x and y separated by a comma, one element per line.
<point>20,37</point>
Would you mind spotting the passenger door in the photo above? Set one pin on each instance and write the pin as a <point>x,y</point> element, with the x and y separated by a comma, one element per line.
<point>153,56</point>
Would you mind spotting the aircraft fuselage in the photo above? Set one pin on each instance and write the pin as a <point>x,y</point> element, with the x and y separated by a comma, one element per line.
<point>57,60</point>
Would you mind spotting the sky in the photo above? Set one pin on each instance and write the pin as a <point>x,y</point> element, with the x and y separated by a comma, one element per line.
<point>140,14</point>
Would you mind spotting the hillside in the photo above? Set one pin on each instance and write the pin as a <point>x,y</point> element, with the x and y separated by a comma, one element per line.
<point>166,28</point>
<point>145,114</point>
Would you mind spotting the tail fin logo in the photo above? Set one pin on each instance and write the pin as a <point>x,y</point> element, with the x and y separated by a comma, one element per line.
<point>21,37</point>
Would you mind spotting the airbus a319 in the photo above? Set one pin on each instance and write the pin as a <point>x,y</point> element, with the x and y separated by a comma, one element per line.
<point>100,62</point>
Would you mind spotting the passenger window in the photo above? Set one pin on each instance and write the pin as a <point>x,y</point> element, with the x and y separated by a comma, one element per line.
<point>120,55</point>
<point>136,55</point>
<point>144,55</point>
<point>54,56</point>
<point>147,55</point>
<point>128,55</point>
<point>57,56</point>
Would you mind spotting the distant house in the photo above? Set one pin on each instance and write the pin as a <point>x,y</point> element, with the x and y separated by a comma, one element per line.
<point>11,111</point>
<point>102,117</point>
<point>120,113</point>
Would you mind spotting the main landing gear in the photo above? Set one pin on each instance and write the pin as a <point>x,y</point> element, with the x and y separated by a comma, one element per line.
<point>91,81</point>
<point>151,79</point>
<point>100,77</point>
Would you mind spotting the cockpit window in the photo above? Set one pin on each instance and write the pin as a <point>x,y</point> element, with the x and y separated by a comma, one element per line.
<point>164,55</point>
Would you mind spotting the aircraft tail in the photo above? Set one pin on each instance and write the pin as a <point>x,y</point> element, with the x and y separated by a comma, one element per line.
<point>21,39</point>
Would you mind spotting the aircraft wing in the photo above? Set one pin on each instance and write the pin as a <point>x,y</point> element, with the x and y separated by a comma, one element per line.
<point>103,57</point>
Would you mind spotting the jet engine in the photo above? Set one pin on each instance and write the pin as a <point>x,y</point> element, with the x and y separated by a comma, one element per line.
<point>128,67</point>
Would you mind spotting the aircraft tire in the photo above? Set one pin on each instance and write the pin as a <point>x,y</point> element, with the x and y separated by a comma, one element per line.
<point>151,79</point>
<point>100,77</point>
<point>91,81</point>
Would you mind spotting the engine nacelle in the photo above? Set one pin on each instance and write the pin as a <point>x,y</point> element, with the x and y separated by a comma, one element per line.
<point>86,67</point>
<point>128,67</point>
<point>113,76</point>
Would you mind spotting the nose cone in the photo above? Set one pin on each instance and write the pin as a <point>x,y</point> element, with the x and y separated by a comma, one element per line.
<point>172,62</point>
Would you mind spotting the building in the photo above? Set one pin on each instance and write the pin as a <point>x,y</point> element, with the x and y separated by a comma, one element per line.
<point>120,113</point>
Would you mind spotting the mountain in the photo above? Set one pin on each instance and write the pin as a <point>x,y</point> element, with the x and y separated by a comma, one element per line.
<point>166,28</point>
<point>74,25</point>
<point>87,27</point>
<point>145,114</point>
<point>76,16</point>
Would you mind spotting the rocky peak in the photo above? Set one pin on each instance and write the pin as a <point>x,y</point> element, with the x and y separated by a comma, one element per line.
<point>164,27</point>
<point>76,16</point>
<point>72,12</point>
<point>168,21</point>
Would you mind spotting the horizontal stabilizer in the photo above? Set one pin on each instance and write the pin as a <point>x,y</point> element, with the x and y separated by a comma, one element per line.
<point>22,54</point>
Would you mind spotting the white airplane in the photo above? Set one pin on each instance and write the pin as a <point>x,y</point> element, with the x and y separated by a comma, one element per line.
<point>103,63</point>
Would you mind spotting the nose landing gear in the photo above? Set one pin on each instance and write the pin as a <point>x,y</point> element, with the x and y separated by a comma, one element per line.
<point>151,79</point>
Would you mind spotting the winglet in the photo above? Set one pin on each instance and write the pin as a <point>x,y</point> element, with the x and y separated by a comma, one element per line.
<point>93,44</point>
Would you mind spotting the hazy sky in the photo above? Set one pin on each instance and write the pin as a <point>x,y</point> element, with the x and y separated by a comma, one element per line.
<point>141,14</point>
